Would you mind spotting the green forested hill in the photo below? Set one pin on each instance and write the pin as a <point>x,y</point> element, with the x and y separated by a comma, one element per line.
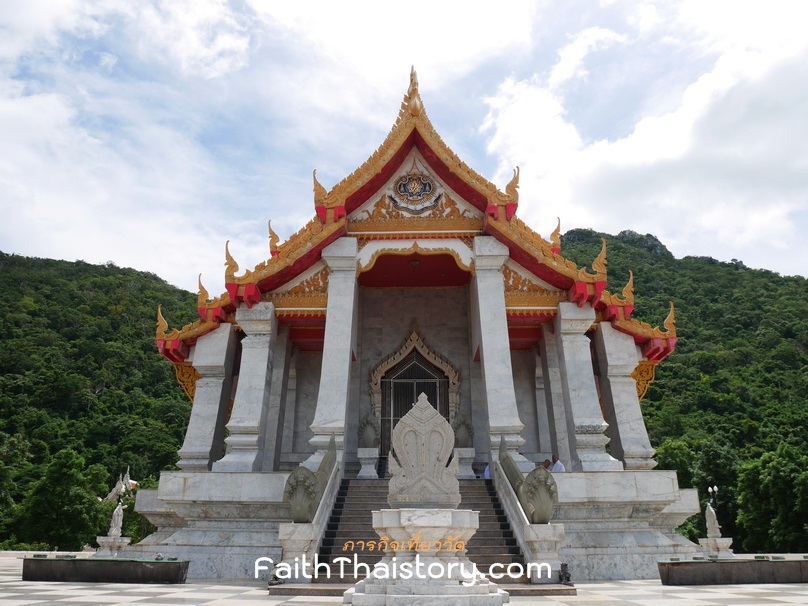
<point>83,392</point>
<point>730,406</point>
<point>79,374</point>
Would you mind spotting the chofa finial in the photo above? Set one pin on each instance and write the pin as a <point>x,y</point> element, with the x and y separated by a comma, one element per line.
<point>413,98</point>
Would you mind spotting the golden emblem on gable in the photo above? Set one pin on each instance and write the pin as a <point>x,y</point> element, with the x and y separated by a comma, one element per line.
<point>415,192</point>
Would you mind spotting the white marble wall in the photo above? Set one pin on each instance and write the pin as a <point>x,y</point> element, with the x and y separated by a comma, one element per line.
<point>523,364</point>
<point>441,315</point>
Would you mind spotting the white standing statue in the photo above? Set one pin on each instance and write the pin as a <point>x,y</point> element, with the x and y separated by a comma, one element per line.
<point>713,529</point>
<point>117,520</point>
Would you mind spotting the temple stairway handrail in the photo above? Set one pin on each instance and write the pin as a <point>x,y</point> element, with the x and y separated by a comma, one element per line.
<point>305,488</point>
<point>513,509</point>
<point>299,539</point>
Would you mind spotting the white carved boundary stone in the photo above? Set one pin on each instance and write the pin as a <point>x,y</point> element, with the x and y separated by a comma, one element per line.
<point>422,444</point>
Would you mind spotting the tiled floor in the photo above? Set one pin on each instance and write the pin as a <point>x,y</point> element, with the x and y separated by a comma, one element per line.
<point>14,592</point>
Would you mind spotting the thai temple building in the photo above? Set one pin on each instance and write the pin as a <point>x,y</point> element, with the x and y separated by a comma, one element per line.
<point>415,275</point>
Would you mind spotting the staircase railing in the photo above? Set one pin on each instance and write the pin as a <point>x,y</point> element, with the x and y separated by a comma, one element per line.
<point>305,488</point>
<point>502,471</point>
<point>300,539</point>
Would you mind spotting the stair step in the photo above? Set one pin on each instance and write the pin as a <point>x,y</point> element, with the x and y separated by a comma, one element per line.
<point>352,520</point>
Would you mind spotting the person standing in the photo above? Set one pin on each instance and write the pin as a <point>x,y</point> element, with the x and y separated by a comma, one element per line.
<point>557,464</point>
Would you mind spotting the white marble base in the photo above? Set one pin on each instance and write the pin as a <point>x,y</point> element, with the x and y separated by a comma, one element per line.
<point>717,546</point>
<point>465,458</point>
<point>108,547</point>
<point>619,523</point>
<point>432,541</point>
<point>220,522</point>
<point>544,542</point>
<point>369,458</point>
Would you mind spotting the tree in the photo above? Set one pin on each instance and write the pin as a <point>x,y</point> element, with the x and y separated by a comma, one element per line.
<point>773,508</point>
<point>62,509</point>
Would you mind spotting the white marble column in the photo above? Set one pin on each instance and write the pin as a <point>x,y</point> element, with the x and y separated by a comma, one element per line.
<point>213,359</point>
<point>561,427</point>
<point>245,442</point>
<point>617,358</point>
<point>488,288</point>
<point>580,393</point>
<point>276,412</point>
<point>335,376</point>
<point>290,409</point>
<point>542,415</point>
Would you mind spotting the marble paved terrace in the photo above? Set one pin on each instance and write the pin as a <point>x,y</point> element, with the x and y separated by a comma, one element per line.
<point>15,592</point>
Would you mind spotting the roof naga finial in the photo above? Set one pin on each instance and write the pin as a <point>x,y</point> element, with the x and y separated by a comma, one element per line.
<point>670,322</point>
<point>319,190</point>
<point>273,240</point>
<point>512,188</point>
<point>599,264</point>
<point>203,297</point>
<point>162,325</point>
<point>555,237</point>
<point>628,289</point>
<point>413,98</point>
<point>231,267</point>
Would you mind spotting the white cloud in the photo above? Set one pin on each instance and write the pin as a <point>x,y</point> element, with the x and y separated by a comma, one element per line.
<point>571,58</point>
<point>722,173</point>
<point>149,133</point>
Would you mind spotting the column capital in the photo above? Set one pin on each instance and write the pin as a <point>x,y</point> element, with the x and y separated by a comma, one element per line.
<point>257,320</point>
<point>340,255</point>
<point>489,253</point>
<point>572,319</point>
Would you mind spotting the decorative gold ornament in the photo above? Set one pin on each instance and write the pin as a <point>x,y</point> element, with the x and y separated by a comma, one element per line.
<point>310,295</point>
<point>644,376</point>
<point>319,191</point>
<point>445,220</point>
<point>290,251</point>
<point>527,297</point>
<point>413,98</point>
<point>203,297</point>
<point>414,342</point>
<point>273,239</point>
<point>231,267</point>
<point>187,376</point>
<point>537,302</point>
<point>415,248</point>
<point>514,281</point>
<point>598,266</point>
<point>162,326</point>
<point>518,232</point>
<point>512,188</point>
<point>627,297</point>
<point>412,116</point>
<point>644,329</point>
<point>555,237</point>
<point>670,322</point>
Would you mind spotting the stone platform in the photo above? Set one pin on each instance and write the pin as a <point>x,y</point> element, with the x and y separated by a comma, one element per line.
<point>103,570</point>
<point>735,571</point>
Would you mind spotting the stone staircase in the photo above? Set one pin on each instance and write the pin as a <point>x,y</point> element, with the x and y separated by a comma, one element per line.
<point>351,521</point>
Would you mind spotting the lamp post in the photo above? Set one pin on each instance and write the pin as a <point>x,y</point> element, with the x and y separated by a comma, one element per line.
<point>713,490</point>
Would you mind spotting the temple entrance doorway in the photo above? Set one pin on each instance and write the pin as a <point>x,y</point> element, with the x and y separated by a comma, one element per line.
<point>401,386</point>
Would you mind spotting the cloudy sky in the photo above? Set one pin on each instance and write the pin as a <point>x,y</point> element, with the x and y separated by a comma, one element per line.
<point>147,133</point>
